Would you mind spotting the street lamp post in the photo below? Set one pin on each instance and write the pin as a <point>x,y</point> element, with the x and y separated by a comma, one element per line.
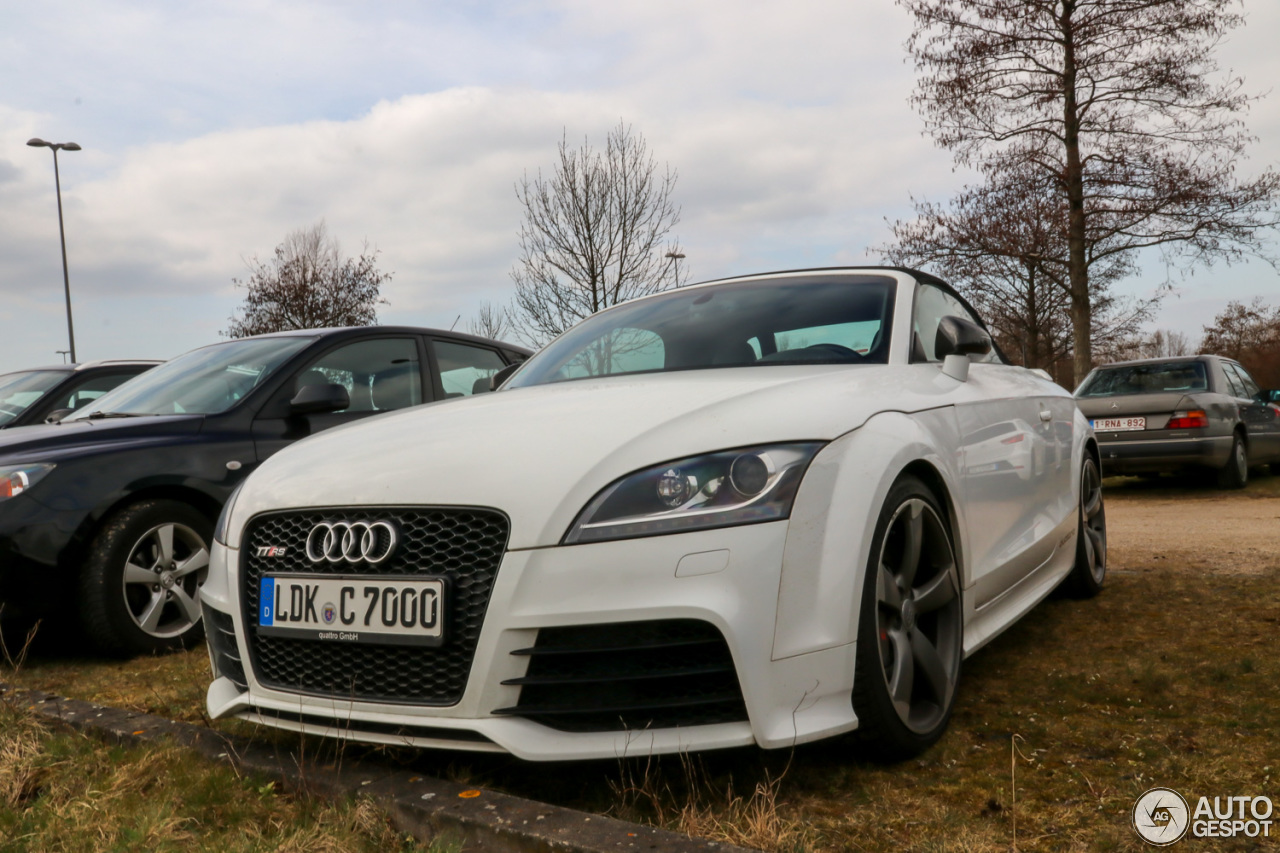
<point>37,142</point>
<point>675,257</point>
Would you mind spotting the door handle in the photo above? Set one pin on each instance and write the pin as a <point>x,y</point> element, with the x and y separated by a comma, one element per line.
<point>1046,415</point>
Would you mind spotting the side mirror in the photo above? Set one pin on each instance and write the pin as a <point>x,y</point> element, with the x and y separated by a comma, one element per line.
<point>958,336</point>
<point>56,416</point>
<point>314,399</point>
<point>496,380</point>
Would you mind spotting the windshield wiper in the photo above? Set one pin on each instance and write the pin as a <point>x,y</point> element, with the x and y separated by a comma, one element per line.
<point>96,416</point>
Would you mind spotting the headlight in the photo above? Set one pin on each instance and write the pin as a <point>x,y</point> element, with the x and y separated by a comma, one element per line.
<point>716,490</point>
<point>220,529</point>
<point>16,479</point>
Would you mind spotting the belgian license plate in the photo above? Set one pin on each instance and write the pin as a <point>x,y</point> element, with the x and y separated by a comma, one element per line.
<point>369,609</point>
<point>1119,424</point>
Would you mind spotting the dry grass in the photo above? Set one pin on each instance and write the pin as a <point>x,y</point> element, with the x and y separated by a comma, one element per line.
<point>1170,678</point>
<point>67,792</point>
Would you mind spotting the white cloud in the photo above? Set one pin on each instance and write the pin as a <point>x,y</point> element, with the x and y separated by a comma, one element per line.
<point>210,132</point>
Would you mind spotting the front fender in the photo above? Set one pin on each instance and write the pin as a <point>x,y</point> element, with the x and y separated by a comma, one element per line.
<point>834,517</point>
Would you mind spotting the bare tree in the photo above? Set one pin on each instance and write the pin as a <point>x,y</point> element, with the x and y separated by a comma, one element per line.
<point>491,321</point>
<point>1003,244</point>
<point>594,234</point>
<point>307,284</point>
<point>1119,104</point>
<point>1251,335</point>
<point>1162,343</point>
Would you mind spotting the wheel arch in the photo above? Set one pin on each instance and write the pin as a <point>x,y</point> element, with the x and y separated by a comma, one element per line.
<point>834,518</point>
<point>927,473</point>
<point>206,505</point>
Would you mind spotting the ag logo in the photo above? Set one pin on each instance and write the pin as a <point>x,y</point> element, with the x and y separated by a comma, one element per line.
<point>1161,816</point>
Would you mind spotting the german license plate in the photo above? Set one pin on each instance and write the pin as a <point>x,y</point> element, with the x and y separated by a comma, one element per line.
<point>369,609</point>
<point>1119,424</point>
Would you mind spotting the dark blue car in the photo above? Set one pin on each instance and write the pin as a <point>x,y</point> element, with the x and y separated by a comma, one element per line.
<point>108,516</point>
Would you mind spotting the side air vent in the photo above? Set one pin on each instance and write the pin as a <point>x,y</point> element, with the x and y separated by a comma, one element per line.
<point>629,675</point>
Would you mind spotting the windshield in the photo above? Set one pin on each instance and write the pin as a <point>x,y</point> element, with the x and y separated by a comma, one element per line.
<point>819,320</point>
<point>19,390</point>
<point>1185,376</point>
<point>204,381</point>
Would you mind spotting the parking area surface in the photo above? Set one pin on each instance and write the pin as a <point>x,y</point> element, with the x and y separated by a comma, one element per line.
<point>1234,533</point>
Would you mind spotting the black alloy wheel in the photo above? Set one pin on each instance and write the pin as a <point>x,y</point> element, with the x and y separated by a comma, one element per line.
<point>1090,571</point>
<point>910,630</point>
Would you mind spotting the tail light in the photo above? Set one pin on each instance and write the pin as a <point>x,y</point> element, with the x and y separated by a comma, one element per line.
<point>1013,439</point>
<point>1191,419</point>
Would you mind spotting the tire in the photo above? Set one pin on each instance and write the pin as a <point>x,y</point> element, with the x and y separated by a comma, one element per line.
<point>1235,474</point>
<point>139,590</point>
<point>904,701</point>
<point>1090,571</point>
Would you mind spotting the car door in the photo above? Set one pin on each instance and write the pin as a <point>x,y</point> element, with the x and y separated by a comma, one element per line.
<point>380,374</point>
<point>1012,439</point>
<point>1260,419</point>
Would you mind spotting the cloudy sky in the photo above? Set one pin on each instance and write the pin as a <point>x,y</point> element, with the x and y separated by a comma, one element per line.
<point>211,130</point>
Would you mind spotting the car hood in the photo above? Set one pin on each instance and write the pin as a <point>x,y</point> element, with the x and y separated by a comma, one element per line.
<point>540,453</point>
<point>50,442</point>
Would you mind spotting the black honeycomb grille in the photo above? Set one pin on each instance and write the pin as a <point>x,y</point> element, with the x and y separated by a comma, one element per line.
<point>464,546</point>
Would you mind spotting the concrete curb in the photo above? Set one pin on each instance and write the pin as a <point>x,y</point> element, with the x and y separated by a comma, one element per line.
<point>422,806</point>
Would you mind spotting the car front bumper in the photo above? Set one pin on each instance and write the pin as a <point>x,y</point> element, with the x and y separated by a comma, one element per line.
<point>34,545</point>
<point>727,578</point>
<point>1162,454</point>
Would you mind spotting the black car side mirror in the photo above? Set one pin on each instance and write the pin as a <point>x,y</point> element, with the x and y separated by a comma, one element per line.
<point>958,336</point>
<point>496,380</point>
<point>314,399</point>
<point>56,416</point>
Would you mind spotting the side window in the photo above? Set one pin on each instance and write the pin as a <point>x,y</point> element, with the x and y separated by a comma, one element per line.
<point>379,375</point>
<point>91,389</point>
<point>462,366</point>
<point>932,304</point>
<point>1251,388</point>
<point>1234,384</point>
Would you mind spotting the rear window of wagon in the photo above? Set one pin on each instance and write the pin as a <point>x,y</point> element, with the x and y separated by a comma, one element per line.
<point>1156,378</point>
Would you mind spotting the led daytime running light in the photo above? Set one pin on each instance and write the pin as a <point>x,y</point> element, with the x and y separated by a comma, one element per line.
<point>731,487</point>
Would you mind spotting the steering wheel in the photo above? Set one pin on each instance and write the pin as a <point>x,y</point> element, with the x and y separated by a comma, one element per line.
<point>836,349</point>
<point>816,354</point>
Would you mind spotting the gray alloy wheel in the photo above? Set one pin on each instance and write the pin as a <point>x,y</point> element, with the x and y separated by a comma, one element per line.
<point>140,584</point>
<point>1090,571</point>
<point>161,580</point>
<point>1235,474</point>
<point>911,629</point>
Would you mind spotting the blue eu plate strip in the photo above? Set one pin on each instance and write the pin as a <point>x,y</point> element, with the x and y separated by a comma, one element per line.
<point>267,602</point>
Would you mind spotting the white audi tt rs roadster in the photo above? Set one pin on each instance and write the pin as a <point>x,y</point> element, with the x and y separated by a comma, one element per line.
<point>763,510</point>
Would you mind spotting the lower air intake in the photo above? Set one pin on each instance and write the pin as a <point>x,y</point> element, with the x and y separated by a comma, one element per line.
<point>629,675</point>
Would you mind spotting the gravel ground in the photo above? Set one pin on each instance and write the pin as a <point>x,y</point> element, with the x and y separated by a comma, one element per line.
<point>1229,533</point>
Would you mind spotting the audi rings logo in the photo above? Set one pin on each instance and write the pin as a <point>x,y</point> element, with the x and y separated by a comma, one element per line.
<point>371,542</point>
